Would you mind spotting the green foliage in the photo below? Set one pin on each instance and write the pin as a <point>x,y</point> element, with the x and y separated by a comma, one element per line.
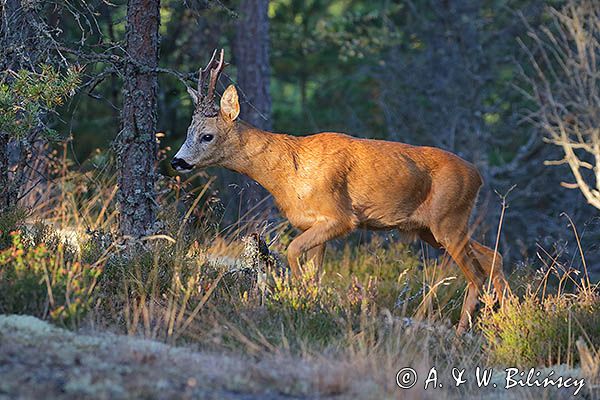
<point>320,53</point>
<point>153,291</point>
<point>536,331</point>
<point>310,310</point>
<point>26,95</point>
<point>314,312</point>
<point>326,35</point>
<point>359,33</point>
<point>388,262</point>
<point>45,282</point>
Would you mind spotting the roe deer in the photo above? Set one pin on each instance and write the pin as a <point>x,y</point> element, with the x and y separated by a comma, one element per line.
<point>329,184</point>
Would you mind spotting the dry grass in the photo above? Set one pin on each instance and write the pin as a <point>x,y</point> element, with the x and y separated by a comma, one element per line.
<point>380,305</point>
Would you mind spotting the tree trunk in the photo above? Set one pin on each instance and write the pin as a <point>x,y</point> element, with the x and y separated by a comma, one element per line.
<point>5,198</point>
<point>252,60</point>
<point>251,51</point>
<point>21,44</point>
<point>136,144</point>
<point>3,135</point>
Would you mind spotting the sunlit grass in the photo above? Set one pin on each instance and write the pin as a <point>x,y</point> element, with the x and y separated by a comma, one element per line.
<point>377,305</point>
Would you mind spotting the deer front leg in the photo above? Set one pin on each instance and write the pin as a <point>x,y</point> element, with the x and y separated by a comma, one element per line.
<point>315,236</point>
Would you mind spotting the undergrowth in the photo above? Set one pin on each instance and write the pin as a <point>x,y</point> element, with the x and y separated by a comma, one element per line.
<point>374,302</point>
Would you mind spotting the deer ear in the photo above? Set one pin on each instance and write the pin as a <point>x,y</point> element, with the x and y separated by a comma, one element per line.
<point>194,95</point>
<point>230,105</point>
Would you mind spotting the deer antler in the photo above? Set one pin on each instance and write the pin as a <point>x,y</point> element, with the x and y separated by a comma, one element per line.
<point>214,75</point>
<point>212,69</point>
<point>203,71</point>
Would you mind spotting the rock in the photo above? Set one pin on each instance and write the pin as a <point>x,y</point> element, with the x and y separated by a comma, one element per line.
<point>38,360</point>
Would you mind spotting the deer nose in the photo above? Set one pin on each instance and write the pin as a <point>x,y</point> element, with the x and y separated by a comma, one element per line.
<point>180,164</point>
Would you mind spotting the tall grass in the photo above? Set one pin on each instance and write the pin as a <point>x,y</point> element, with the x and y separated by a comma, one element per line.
<point>379,304</point>
<point>541,326</point>
<point>47,280</point>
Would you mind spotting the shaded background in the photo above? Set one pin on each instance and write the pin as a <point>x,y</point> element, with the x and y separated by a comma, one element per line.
<point>426,72</point>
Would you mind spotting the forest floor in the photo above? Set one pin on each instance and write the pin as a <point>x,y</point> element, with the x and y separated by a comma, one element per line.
<point>41,361</point>
<point>201,315</point>
<point>38,360</point>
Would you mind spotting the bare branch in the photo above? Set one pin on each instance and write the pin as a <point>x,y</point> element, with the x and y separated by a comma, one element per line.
<point>565,86</point>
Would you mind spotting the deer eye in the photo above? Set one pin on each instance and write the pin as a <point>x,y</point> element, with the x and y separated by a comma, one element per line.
<point>207,138</point>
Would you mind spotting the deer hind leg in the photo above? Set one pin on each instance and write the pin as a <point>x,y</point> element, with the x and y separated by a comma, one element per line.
<point>485,256</point>
<point>463,255</point>
<point>458,245</point>
<point>426,236</point>
<point>493,267</point>
<point>315,236</point>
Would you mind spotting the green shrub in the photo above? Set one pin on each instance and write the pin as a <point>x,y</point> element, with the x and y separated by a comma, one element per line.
<point>26,95</point>
<point>156,291</point>
<point>10,221</point>
<point>46,283</point>
<point>538,330</point>
<point>408,282</point>
<point>305,307</point>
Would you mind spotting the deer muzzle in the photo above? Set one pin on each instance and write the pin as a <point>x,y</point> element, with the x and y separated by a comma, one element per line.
<point>179,164</point>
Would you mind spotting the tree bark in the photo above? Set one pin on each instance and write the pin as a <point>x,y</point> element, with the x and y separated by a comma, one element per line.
<point>5,198</point>
<point>136,144</point>
<point>252,60</point>
<point>21,45</point>
<point>8,11</point>
<point>251,51</point>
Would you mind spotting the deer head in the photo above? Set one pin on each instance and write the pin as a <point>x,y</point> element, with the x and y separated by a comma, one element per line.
<point>212,130</point>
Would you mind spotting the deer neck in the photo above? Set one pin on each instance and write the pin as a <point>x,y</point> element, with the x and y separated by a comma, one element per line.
<point>264,156</point>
